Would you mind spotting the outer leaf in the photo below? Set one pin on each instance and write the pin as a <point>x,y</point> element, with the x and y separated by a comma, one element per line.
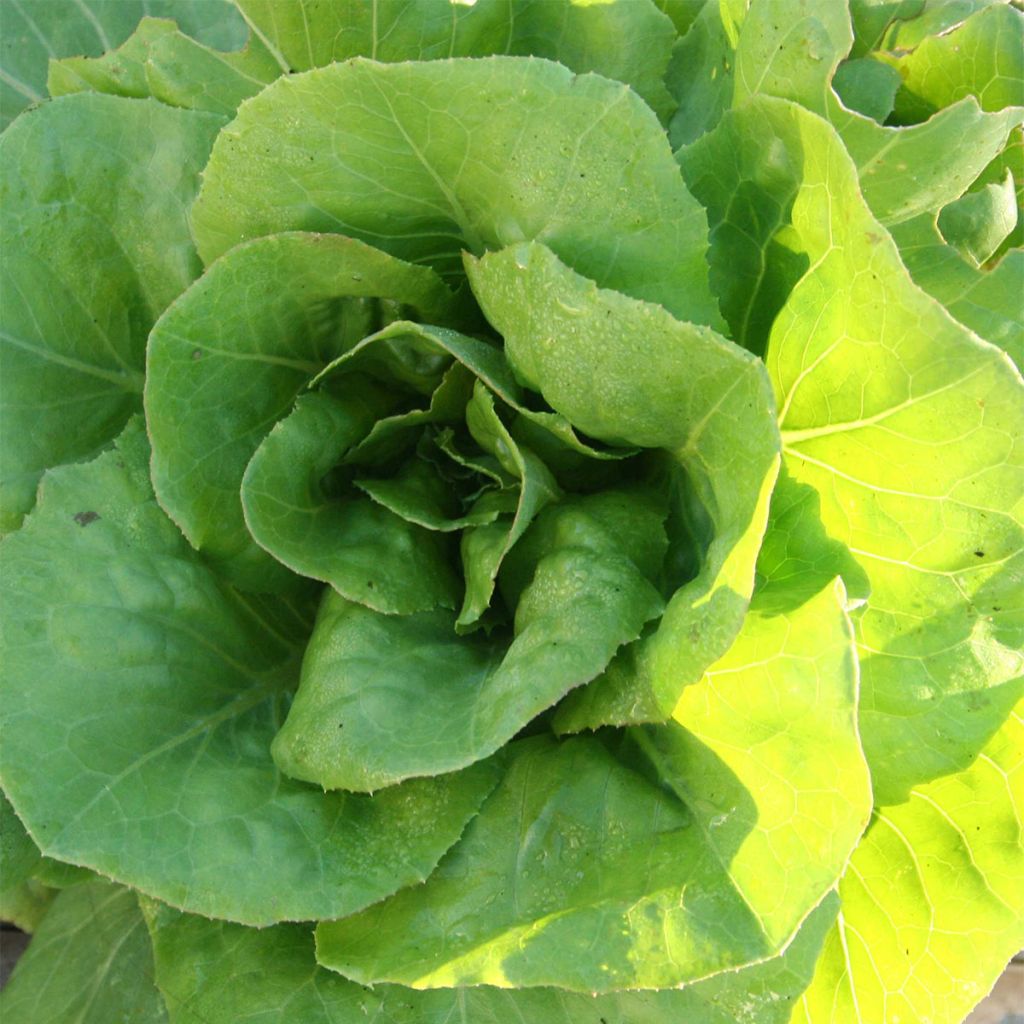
<point>140,696</point>
<point>916,458</point>
<point>628,40</point>
<point>424,160</point>
<point>932,902</point>
<point>987,301</point>
<point>581,873</point>
<point>627,373</point>
<point>38,30</point>
<point>158,60</point>
<point>96,246</point>
<point>216,973</point>
<point>227,360</point>
<point>89,963</point>
<point>798,558</point>
<point>385,698</point>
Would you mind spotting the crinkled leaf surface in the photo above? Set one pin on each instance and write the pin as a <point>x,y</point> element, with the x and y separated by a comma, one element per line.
<point>917,464</point>
<point>628,40</point>
<point>932,906</point>
<point>211,972</point>
<point>96,244</point>
<point>140,696</point>
<point>580,872</point>
<point>90,962</point>
<point>363,550</point>
<point>427,159</point>
<point>226,361</point>
<point>626,372</point>
<point>36,31</point>
<point>383,698</point>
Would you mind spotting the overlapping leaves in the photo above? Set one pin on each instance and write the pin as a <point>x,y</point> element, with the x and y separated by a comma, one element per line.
<point>465,461</point>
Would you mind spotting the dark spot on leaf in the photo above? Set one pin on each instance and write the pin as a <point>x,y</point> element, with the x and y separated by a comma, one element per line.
<point>980,553</point>
<point>369,583</point>
<point>341,725</point>
<point>197,353</point>
<point>85,518</point>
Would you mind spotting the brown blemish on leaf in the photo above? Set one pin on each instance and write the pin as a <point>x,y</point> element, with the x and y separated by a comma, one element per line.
<point>85,518</point>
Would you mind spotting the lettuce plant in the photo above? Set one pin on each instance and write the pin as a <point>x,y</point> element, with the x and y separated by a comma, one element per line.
<point>513,510</point>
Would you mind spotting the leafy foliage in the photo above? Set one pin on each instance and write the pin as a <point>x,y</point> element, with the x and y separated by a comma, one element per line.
<point>513,510</point>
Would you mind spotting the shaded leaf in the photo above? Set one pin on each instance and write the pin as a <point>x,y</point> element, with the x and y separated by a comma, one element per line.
<point>140,696</point>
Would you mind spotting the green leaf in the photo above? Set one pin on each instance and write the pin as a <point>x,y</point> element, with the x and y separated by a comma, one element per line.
<point>867,87</point>
<point>983,57</point>
<point>791,52</point>
<point>19,856</point>
<point>56,874</point>
<point>96,246</point>
<point>485,547</point>
<point>211,972</point>
<point>140,696</point>
<point>627,40</point>
<point>580,872</point>
<point>90,962</point>
<point>932,905</point>
<point>419,494</point>
<point>158,60</point>
<point>365,552</point>
<point>986,301</point>
<point>385,698</point>
<point>899,174</point>
<point>36,31</point>
<point>978,223</point>
<point>753,259</point>
<point>227,360</point>
<point>701,74</point>
<point>25,905</point>
<point>931,18</point>
<point>872,20</point>
<point>914,458</point>
<point>425,160</point>
<point>626,372</point>
<point>798,557</point>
